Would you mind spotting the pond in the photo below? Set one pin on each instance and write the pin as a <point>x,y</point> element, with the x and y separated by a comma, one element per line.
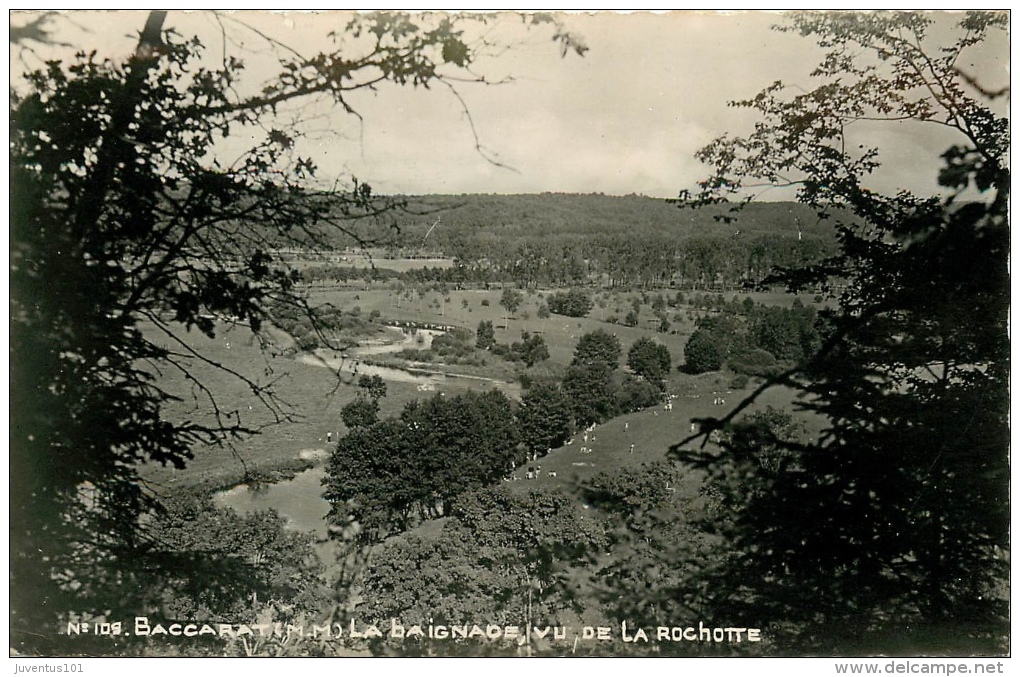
<point>299,500</point>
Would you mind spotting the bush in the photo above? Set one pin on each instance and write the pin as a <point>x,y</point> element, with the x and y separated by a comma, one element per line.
<point>412,355</point>
<point>308,342</point>
<point>486,335</point>
<point>757,362</point>
<point>531,349</point>
<point>635,394</point>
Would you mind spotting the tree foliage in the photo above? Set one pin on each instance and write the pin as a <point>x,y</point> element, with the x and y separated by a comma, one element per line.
<point>390,475</point>
<point>503,556</point>
<point>647,575</point>
<point>598,348</point>
<point>530,350</point>
<point>544,418</point>
<point>634,394</point>
<point>651,360</point>
<point>703,352</point>
<point>486,335</point>
<point>572,303</point>
<point>372,386</point>
<point>226,565</point>
<point>897,515</point>
<point>360,412</point>
<point>511,300</point>
<point>129,229</point>
<point>756,340</point>
<point>591,391</point>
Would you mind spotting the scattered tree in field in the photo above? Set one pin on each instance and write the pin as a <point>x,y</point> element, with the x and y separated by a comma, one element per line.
<point>651,360</point>
<point>572,303</point>
<point>511,300</point>
<point>372,386</point>
<point>124,217</point>
<point>703,352</point>
<point>890,528</point>
<point>532,349</point>
<point>486,335</point>
<point>361,412</point>
<point>634,394</point>
<point>786,333</point>
<point>590,381</point>
<point>374,479</point>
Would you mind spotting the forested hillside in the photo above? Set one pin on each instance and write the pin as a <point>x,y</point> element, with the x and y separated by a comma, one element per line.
<point>562,240</point>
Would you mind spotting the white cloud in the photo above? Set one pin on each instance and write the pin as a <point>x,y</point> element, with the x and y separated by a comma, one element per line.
<point>628,117</point>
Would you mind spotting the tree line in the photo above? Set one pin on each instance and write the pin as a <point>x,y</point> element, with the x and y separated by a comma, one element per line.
<point>703,261</point>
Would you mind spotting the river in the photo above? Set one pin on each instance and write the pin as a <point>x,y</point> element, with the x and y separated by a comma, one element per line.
<point>426,380</point>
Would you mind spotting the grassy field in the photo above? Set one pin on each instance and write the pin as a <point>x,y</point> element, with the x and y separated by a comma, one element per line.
<point>651,432</point>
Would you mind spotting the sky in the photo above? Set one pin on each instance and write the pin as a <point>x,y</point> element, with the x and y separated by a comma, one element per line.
<point>627,117</point>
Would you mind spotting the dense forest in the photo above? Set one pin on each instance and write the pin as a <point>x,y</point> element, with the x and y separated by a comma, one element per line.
<point>619,242</point>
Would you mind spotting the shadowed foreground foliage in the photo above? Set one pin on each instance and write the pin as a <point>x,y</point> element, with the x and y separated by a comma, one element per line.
<point>889,532</point>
